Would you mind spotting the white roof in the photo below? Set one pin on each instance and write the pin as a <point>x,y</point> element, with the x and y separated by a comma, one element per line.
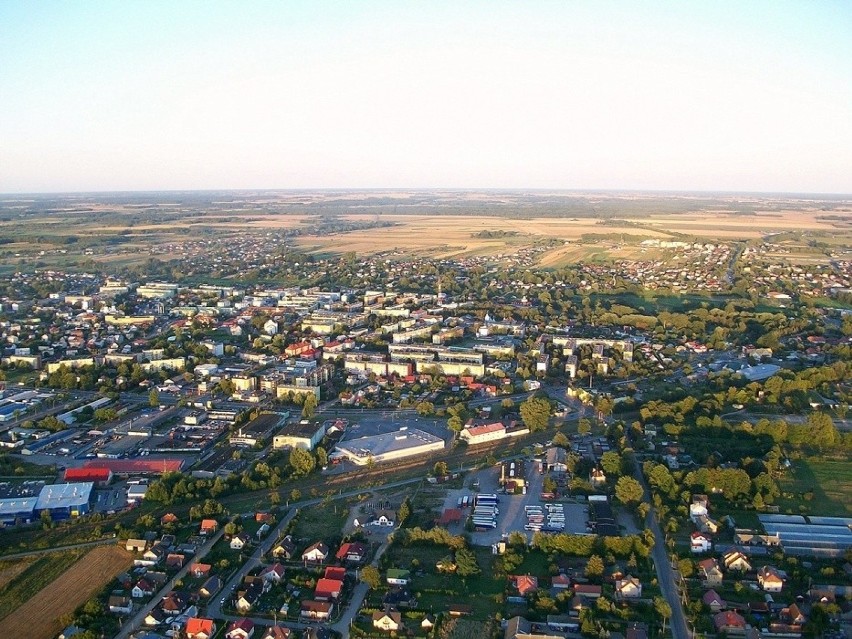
<point>64,495</point>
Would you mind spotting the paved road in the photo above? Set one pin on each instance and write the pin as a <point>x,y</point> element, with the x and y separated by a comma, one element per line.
<point>358,595</point>
<point>665,574</point>
<point>44,551</point>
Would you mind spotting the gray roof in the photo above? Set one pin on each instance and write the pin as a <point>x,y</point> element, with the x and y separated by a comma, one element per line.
<point>64,495</point>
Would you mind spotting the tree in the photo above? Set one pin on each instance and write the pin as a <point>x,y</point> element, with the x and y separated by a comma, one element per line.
<point>322,457</point>
<point>425,408</point>
<point>559,439</point>
<point>295,494</point>
<point>594,567</point>
<point>535,412</point>
<point>301,462</point>
<point>370,576</point>
<point>584,426</point>
<point>274,498</point>
<point>628,491</point>
<point>466,563</point>
<point>404,511</point>
<point>611,463</point>
<point>309,408</point>
<point>153,398</point>
<point>662,608</point>
<point>441,469</point>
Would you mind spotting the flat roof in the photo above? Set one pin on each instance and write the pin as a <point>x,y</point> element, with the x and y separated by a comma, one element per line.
<point>130,466</point>
<point>64,495</point>
<point>385,443</point>
<point>297,429</point>
<point>17,505</point>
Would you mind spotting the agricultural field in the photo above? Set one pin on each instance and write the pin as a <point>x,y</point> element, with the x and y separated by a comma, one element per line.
<point>818,486</point>
<point>33,603</point>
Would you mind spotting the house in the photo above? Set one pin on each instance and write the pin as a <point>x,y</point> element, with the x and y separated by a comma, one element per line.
<point>328,589</point>
<point>241,629</point>
<point>320,610</point>
<point>597,477</point>
<point>700,542</point>
<point>560,582</point>
<point>587,591</point>
<point>459,610</point>
<point>525,584</point>
<point>710,573</point>
<point>398,597</point>
<point>387,621</point>
<point>240,541</point>
<point>174,603</point>
<point>729,622</point>
<point>169,518</point>
<point>174,560</point>
<point>151,557</point>
<point>284,548</point>
<point>136,545</point>
<point>208,526</point>
<point>384,518</point>
<point>335,572</point>
<point>120,605</point>
<point>155,617</point>
<point>714,601</point>
<point>247,600</point>
<point>707,525</point>
<point>276,632</point>
<point>736,560</point>
<point>199,628</point>
<point>628,588</point>
<point>792,615</point>
<point>199,570</point>
<point>315,553</point>
<point>770,579</point>
<point>273,573</point>
<point>142,588</point>
<point>398,577</point>
<point>428,622</point>
<point>210,587</point>
<point>354,552</point>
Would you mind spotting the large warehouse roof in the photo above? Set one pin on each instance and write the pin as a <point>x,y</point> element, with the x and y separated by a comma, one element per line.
<point>64,495</point>
<point>133,466</point>
<point>17,505</point>
<point>387,444</point>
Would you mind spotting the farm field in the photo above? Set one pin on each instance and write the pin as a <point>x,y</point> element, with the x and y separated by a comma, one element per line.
<point>818,487</point>
<point>11,569</point>
<point>59,591</point>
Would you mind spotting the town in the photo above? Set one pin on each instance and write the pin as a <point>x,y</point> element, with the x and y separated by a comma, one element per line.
<point>234,437</point>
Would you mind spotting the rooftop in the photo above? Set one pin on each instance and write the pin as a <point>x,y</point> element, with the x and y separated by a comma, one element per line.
<point>64,495</point>
<point>383,444</point>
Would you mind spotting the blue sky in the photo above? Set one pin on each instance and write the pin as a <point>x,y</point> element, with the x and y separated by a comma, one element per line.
<point>753,96</point>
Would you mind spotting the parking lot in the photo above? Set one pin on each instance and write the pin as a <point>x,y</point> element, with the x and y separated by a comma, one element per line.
<point>513,516</point>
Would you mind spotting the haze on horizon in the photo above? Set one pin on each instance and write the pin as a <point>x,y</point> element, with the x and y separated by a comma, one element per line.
<point>685,96</point>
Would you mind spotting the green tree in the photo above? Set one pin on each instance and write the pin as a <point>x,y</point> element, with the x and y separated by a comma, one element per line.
<point>425,408</point>
<point>466,562</point>
<point>559,439</point>
<point>295,494</point>
<point>611,463</point>
<point>301,462</point>
<point>153,398</point>
<point>628,491</point>
<point>594,567</point>
<point>535,412</point>
<point>441,469</point>
<point>584,426</point>
<point>662,608</point>
<point>322,457</point>
<point>370,576</point>
<point>309,408</point>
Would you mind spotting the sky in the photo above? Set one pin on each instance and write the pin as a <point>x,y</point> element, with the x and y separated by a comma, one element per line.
<point>570,94</point>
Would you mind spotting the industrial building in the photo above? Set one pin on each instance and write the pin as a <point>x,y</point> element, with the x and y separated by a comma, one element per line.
<point>64,501</point>
<point>146,466</point>
<point>304,434</point>
<point>17,510</point>
<point>404,442</point>
<point>259,429</point>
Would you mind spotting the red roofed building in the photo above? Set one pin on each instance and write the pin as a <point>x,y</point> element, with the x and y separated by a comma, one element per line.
<point>100,476</point>
<point>335,572</point>
<point>328,589</point>
<point>198,628</point>
<point>484,433</point>
<point>526,584</point>
<point>450,516</point>
<point>729,622</point>
<point>137,466</point>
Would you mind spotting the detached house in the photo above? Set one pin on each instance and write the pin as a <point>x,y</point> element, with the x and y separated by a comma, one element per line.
<point>770,579</point>
<point>729,622</point>
<point>319,610</point>
<point>711,574</point>
<point>209,526</point>
<point>397,577</point>
<point>525,584</point>
<point>273,573</point>
<point>120,605</point>
<point>736,560</point>
<point>387,621</point>
<point>628,588</point>
<point>143,588</point>
<point>276,632</point>
<point>713,601</point>
<point>199,628</point>
<point>328,589</point>
<point>240,541</point>
<point>315,553</point>
<point>354,552</point>
<point>700,542</point>
<point>284,548</point>
<point>241,629</point>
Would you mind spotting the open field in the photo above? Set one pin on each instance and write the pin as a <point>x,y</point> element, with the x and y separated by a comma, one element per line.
<point>38,617</point>
<point>35,576</point>
<point>11,569</point>
<point>819,487</point>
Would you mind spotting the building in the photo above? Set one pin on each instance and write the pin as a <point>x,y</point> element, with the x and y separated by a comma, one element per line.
<point>404,442</point>
<point>304,434</point>
<point>63,501</point>
<point>700,542</point>
<point>99,476</point>
<point>146,466</point>
<point>17,510</point>
<point>770,579</point>
<point>483,433</point>
<point>387,621</point>
<point>259,429</point>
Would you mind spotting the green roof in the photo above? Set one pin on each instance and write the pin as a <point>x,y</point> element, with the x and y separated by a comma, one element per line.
<point>397,573</point>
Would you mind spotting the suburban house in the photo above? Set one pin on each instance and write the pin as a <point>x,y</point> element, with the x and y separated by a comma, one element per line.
<point>199,570</point>
<point>211,586</point>
<point>736,560</point>
<point>169,518</point>
<point>284,548</point>
<point>560,582</point>
<point>273,573</point>
<point>387,620</point>
<point>710,573</point>
<point>587,591</point>
<point>151,557</point>
<point>700,542</point>
<point>628,588</point>
<point>328,589</point>
<point>397,577</point>
<point>241,629</point>
<point>399,597</point>
<point>729,622</point>
<point>208,526</point>
<point>525,584</point>
<point>199,628</point>
<point>142,588</point>
<point>276,632</point>
<point>174,603</point>
<point>335,572</point>
<point>354,552</point>
<point>315,553</point>
<point>428,622</point>
<point>770,579</point>
<point>174,560</point>
<point>240,541</point>
<point>155,617</point>
<point>597,477</point>
<point>136,545</point>
<point>714,601</point>
<point>247,600</point>
<point>120,605</point>
<point>320,610</point>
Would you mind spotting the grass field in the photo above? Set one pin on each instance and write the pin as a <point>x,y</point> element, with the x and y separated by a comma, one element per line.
<point>35,576</point>
<point>819,487</point>
<point>59,591</point>
<point>321,521</point>
<point>12,568</point>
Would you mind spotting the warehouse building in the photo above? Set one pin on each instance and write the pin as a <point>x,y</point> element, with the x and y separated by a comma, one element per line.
<point>404,442</point>
<point>64,501</point>
<point>304,434</point>
<point>17,510</point>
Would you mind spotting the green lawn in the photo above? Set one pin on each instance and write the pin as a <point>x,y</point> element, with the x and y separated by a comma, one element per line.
<point>321,521</point>
<point>818,486</point>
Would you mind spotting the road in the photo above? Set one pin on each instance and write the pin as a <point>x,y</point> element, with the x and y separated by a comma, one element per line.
<point>665,575</point>
<point>44,551</point>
